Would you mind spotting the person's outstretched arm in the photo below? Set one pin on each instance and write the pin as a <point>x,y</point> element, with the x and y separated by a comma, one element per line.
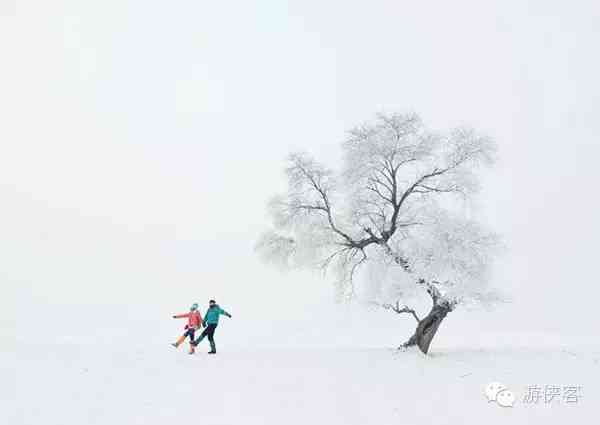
<point>221,311</point>
<point>181,316</point>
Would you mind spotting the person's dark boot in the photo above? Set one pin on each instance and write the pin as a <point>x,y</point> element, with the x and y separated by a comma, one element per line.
<point>213,349</point>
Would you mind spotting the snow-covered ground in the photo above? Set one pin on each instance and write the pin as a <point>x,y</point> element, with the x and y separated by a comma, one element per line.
<point>130,375</point>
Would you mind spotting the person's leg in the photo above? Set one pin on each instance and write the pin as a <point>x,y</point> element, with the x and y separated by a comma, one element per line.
<point>211,338</point>
<point>188,332</point>
<point>179,340</point>
<point>201,337</point>
<point>191,334</point>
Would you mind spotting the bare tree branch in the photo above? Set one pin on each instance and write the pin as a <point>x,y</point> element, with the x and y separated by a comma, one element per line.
<point>399,310</point>
<point>325,198</point>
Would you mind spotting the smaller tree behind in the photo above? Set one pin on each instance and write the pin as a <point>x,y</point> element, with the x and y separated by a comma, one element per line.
<point>397,205</point>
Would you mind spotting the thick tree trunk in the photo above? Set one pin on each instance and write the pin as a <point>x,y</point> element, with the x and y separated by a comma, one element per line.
<point>428,326</point>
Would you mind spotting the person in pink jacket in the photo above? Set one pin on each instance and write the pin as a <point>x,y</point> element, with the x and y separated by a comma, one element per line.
<point>194,322</point>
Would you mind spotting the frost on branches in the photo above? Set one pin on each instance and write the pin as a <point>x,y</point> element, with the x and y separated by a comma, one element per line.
<point>397,207</point>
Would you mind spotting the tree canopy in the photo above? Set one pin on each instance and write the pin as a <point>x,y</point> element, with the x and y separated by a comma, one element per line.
<point>397,205</point>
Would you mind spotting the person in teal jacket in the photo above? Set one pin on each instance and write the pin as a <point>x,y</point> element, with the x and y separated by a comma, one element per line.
<point>211,320</point>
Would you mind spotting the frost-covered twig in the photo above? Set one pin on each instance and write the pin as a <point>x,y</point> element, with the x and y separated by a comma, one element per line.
<point>397,309</point>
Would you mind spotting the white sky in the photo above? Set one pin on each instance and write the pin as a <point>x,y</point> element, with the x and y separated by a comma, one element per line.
<point>140,140</point>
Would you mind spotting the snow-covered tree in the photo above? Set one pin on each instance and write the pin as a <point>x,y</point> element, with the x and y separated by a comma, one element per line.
<point>393,221</point>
